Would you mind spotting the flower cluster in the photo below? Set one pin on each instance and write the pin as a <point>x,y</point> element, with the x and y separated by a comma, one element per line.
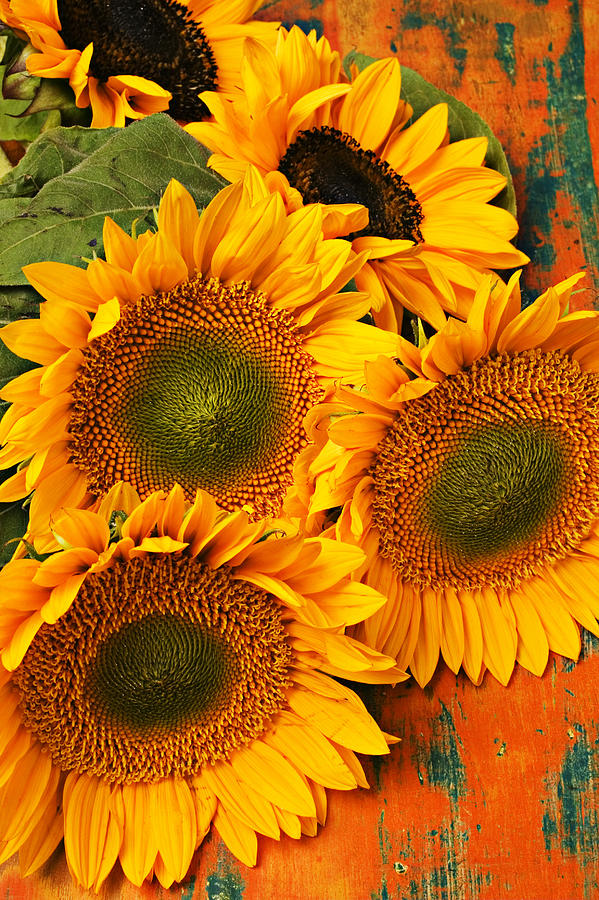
<point>304,433</point>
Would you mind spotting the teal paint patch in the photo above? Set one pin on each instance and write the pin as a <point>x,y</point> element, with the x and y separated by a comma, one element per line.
<point>414,21</point>
<point>505,53</point>
<point>448,882</point>
<point>571,818</point>
<point>385,846</point>
<point>579,818</point>
<point>566,117</point>
<point>549,827</point>
<point>589,647</point>
<point>383,894</point>
<point>442,761</point>
<point>307,25</point>
<point>590,644</point>
<point>226,883</point>
<point>189,889</point>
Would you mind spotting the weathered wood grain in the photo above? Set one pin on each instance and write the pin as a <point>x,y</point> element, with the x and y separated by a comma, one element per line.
<point>493,792</point>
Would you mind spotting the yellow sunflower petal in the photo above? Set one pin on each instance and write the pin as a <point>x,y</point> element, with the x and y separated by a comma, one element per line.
<point>43,840</point>
<point>174,823</point>
<point>452,630</point>
<point>338,720</point>
<point>310,752</point>
<point>368,111</point>
<point>413,146</point>
<point>92,828</point>
<point>239,838</point>
<point>271,775</point>
<point>140,846</point>
<point>426,652</point>
<point>246,804</point>
<point>499,635</point>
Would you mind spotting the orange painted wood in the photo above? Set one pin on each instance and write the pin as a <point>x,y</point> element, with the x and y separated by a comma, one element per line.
<point>493,792</point>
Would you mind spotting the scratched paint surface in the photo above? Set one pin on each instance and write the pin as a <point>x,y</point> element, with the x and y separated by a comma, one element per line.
<point>492,793</point>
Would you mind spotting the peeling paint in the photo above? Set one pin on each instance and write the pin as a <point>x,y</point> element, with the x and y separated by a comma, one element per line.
<point>571,173</point>
<point>188,891</point>
<point>505,53</point>
<point>226,883</point>
<point>447,26</point>
<point>307,25</point>
<point>570,819</point>
<point>442,760</point>
<point>448,883</point>
<point>549,827</point>
<point>384,839</point>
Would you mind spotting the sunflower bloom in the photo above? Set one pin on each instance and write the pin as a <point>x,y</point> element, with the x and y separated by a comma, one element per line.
<point>190,355</point>
<point>128,61</point>
<point>170,668</point>
<point>432,232</point>
<point>473,487</point>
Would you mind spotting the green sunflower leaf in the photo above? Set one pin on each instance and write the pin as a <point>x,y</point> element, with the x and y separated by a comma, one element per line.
<point>463,121</point>
<point>30,105</point>
<point>15,303</point>
<point>53,154</point>
<point>13,524</point>
<point>123,178</point>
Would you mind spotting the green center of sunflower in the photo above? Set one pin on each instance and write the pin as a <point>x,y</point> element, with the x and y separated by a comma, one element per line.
<point>161,666</point>
<point>491,475</point>
<point>205,386</point>
<point>160,673</point>
<point>497,489</point>
<point>154,39</point>
<point>328,166</point>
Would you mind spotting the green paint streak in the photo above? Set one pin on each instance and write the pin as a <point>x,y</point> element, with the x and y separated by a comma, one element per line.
<point>448,882</point>
<point>385,847</point>
<point>579,817</point>
<point>571,816</point>
<point>187,893</point>
<point>307,25</point>
<point>414,21</point>
<point>442,760</point>
<point>589,647</point>
<point>384,839</point>
<point>549,827</point>
<point>383,894</point>
<point>226,883</point>
<point>567,109</point>
<point>505,49</point>
<point>590,644</point>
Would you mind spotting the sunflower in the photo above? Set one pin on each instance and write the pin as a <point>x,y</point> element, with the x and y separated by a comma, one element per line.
<point>473,487</point>
<point>169,668</point>
<point>131,59</point>
<point>190,355</point>
<point>432,232</point>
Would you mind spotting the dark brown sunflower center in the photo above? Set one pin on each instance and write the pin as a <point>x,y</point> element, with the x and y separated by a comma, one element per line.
<point>205,386</point>
<point>155,39</point>
<point>328,166</point>
<point>492,474</point>
<point>161,666</point>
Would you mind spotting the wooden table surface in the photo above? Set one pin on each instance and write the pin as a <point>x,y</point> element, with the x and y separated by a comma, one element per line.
<point>493,792</point>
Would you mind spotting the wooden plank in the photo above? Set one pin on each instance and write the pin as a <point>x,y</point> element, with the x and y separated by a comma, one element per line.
<point>493,792</point>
